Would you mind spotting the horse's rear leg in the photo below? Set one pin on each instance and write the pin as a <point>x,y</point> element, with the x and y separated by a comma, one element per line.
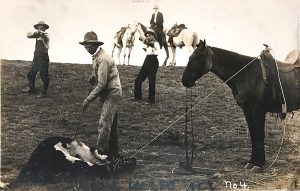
<point>167,53</point>
<point>174,56</point>
<point>128,56</point>
<point>255,118</point>
<point>124,55</point>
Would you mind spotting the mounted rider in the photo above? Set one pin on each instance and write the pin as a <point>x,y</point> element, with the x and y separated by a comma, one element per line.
<point>156,23</point>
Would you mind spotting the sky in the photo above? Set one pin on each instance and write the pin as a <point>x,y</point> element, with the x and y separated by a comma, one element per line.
<point>240,26</point>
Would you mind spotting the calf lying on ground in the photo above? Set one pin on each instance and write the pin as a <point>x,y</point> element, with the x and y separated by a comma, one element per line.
<point>57,155</point>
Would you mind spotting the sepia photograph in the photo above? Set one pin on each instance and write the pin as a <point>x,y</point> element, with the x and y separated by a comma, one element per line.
<point>150,95</point>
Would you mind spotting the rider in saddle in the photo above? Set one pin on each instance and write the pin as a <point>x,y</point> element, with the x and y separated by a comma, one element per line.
<point>156,23</point>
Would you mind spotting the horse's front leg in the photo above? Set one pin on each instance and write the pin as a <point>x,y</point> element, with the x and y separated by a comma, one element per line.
<point>255,117</point>
<point>174,56</point>
<point>124,54</point>
<point>112,52</point>
<point>118,55</point>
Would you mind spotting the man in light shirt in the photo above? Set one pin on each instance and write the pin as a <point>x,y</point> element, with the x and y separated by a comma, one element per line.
<point>40,60</point>
<point>105,77</point>
<point>149,68</point>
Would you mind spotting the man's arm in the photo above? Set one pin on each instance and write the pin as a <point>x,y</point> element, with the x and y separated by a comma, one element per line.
<point>152,20</point>
<point>37,34</point>
<point>33,34</point>
<point>102,81</point>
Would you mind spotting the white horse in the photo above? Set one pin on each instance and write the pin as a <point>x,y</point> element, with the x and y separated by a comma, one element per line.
<point>186,38</point>
<point>127,42</point>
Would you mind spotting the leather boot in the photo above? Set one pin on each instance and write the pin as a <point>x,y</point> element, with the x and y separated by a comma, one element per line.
<point>44,89</point>
<point>30,89</point>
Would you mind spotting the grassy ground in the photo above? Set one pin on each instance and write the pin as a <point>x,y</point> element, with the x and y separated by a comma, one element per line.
<point>222,144</point>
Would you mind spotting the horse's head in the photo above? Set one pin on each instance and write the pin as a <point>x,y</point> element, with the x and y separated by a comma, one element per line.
<point>141,29</point>
<point>200,63</point>
<point>133,27</point>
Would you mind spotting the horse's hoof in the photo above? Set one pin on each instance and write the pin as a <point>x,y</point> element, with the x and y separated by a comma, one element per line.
<point>256,169</point>
<point>249,166</point>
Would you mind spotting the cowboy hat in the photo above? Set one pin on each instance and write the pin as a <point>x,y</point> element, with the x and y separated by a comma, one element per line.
<point>150,31</point>
<point>41,23</point>
<point>155,7</point>
<point>90,37</point>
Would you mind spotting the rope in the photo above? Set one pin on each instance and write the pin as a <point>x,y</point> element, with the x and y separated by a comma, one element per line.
<point>284,109</point>
<point>201,101</point>
<point>279,150</point>
<point>284,100</point>
<point>81,116</point>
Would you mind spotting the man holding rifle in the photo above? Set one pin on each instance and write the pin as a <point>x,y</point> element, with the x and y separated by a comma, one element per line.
<point>40,60</point>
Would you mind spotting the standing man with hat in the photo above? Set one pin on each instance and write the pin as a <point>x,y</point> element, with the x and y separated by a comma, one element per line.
<point>156,23</point>
<point>149,68</point>
<point>40,60</point>
<point>105,76</point>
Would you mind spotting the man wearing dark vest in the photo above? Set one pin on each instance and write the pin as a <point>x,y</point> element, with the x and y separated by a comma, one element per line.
<point>40,60</point>
<point>156,23</point>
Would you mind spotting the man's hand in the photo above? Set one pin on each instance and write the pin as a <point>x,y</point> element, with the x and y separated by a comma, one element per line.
<point>85,104</point>
<point>92,80</point>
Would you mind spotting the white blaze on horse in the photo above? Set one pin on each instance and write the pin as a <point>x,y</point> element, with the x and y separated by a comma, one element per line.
<point>124,40</point>
<point>179,36</point>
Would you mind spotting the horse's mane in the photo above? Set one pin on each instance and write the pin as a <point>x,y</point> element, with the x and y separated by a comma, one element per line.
<point>230,56</point>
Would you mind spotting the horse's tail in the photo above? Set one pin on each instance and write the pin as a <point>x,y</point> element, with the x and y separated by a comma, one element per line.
<point>195,42</point>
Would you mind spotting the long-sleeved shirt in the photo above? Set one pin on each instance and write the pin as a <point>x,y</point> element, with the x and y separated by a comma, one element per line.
<point>107,75</point>
<point>152,50</point>
<point>40,35</point>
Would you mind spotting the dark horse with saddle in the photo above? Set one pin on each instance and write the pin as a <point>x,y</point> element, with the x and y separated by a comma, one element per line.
<point>259,85</point>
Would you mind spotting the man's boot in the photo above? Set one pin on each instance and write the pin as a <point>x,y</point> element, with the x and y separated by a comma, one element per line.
<point>30,89</point>
<point>43,94</point>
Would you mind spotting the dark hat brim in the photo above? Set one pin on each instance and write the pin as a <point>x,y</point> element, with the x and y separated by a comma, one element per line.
<point>150,32</point>
<point>91,42</point>
<point>45,25</point>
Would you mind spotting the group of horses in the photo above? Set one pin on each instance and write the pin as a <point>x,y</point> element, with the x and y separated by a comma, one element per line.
<point>186,37</point>
<point>259,84</point>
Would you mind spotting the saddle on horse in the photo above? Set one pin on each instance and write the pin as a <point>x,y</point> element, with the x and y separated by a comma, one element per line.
<point>289,75</point>
<point>174,32</point>
<point>120,34</point>
<point>292,61</point>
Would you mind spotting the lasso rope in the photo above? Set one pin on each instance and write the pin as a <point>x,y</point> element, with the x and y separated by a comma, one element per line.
<point>81,116</point>
<point>201,101</point>
<point>284,110</point>
<point>279,149</point>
